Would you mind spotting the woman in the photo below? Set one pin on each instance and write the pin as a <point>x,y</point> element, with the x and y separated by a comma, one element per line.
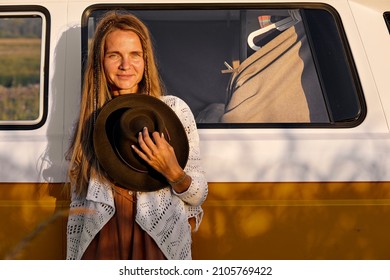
<point>106,220</point>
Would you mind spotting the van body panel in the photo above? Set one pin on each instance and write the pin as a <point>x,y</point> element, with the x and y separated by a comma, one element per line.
<point>274,193</point>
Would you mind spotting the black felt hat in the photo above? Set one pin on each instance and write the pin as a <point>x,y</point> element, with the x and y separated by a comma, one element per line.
<point>116,130</point>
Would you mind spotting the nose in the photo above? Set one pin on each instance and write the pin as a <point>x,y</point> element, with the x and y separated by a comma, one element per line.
<point>125,64</point>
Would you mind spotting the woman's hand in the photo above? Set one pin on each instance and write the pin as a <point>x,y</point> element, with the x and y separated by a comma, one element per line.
<point>160,155</point>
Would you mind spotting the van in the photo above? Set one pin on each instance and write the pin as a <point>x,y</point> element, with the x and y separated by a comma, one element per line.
<point>291,100</point>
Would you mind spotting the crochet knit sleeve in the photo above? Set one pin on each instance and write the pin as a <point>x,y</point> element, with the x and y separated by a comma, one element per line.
<point>197,191</point>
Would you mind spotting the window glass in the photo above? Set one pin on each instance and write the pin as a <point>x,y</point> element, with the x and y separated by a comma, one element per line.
<point>254,67</point>
<point>21,69</point>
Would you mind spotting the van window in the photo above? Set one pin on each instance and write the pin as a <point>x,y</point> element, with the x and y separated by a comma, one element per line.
<point>253,66</point>
<point>22,75</point>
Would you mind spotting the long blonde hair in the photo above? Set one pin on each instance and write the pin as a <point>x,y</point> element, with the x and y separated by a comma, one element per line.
<point>96,93</point>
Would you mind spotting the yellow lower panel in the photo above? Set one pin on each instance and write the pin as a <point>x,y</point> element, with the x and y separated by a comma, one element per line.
<point>33,221</point>
<point>295,221</point>
<point>241,221</point>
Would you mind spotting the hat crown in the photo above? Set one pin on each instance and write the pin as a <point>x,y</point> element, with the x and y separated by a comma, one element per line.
<point>127,129</point>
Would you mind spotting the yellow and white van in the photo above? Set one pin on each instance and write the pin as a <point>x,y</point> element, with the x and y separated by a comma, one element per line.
<point>291,98</point>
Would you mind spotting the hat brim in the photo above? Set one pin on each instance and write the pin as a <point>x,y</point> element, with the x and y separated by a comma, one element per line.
<point>120,172</point>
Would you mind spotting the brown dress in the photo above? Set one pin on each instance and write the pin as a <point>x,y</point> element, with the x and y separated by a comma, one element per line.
<point>122,238</point>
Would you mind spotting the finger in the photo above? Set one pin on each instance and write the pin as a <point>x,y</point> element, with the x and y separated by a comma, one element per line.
<point>139,153</point>
<point>142,144</point>
<point>147,140</point>
<point>158,140</point>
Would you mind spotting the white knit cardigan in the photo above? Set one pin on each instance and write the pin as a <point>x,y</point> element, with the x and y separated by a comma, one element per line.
<point>163,214</point>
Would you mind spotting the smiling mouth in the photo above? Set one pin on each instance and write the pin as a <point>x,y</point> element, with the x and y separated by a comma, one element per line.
<point>127,76</point>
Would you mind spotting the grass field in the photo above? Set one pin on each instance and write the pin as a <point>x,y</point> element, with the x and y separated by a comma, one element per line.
<point>19,78</point>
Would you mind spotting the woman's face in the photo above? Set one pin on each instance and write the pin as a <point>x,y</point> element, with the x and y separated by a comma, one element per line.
<point>123,61</point>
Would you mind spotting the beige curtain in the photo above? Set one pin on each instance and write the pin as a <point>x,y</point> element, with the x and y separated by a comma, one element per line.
<point>277,84</point>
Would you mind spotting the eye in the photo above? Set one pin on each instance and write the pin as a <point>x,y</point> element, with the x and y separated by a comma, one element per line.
<point>136,56</point>
<point>112,56</point>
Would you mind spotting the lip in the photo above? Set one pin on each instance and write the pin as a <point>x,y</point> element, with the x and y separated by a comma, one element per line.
<point>125,76</point>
